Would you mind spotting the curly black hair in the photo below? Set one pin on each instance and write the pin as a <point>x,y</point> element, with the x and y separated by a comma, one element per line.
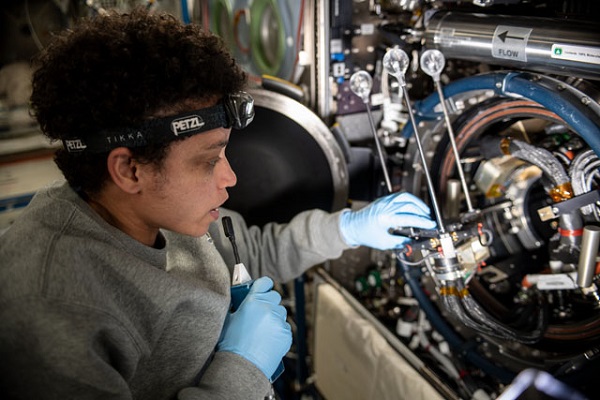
<point>117,70</point>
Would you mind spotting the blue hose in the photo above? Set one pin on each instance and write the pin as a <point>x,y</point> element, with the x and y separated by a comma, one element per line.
<point>185,15</point>
<point>563,103</point>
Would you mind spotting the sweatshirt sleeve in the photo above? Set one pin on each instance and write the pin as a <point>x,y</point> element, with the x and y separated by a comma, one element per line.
<point>282,251</point>
<point>229,377</point>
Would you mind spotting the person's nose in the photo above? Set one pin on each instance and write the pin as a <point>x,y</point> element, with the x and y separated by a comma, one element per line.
<point>228,177</point>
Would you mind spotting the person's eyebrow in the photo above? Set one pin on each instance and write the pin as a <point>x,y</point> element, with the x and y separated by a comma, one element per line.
<point>218,145</point>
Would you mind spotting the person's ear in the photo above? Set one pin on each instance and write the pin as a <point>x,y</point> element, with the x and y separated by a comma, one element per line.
<point>123,170</point>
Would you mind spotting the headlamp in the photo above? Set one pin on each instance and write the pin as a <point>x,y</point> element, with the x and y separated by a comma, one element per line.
<point>235,111</point>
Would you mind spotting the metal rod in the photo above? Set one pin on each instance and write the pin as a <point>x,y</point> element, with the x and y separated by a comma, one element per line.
<point>461,173</point>
<point>430,187</point>
<point>388,182</point>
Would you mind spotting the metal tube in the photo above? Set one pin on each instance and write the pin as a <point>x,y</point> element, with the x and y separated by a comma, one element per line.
<point>386,176</point>
<point>570,48</point>
<point>587,258</point>
<point>459,167</point>
<point>452,198</point>
<point>431,188</point>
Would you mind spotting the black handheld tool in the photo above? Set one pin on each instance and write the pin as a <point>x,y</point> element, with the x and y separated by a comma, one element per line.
<point>241,281</point>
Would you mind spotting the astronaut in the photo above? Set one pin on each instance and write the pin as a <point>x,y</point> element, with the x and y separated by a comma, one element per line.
<point>111,285</point>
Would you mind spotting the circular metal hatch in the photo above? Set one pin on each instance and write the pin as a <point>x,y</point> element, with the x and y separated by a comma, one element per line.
<point>286,161</point>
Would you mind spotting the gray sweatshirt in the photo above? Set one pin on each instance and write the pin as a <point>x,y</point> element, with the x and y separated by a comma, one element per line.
<point>87,312</point>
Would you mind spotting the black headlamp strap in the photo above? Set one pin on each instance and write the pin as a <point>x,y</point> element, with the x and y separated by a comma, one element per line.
<point>160,130</point>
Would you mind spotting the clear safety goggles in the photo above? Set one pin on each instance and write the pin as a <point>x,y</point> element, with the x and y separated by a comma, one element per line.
<point>235,111</point>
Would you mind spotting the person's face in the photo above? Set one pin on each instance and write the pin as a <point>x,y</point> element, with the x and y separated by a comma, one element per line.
<point>191,185</point>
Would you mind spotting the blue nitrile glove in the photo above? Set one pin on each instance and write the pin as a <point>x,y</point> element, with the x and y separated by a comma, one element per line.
<point>258,330</point>
<point>369,225</point>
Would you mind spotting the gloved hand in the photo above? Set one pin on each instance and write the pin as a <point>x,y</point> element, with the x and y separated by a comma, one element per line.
<point>258,330</point>
<point>369,225</point>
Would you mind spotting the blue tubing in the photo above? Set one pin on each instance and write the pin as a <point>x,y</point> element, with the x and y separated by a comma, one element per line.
<point>581,118</point>
<point>185,15</point>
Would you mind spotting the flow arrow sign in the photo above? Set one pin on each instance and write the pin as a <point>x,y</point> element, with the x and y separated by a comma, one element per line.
<point>504,35</point>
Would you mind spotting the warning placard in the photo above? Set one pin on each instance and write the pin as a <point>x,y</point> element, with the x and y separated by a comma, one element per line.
<point>584,54</point>
<point>509,42</point>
